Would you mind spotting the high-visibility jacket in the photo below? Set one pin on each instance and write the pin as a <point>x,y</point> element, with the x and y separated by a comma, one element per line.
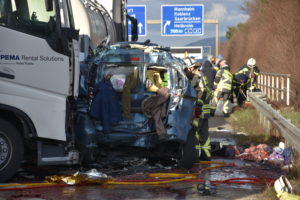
<point>251,74</point>
<point>154,77</point>
<point>223,80</point>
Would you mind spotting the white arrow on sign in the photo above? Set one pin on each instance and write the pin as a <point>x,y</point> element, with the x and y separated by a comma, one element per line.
<point>168,23</point>
<point>140,25</point>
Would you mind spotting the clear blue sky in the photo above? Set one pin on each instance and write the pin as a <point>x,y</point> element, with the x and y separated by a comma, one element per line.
<point>228,12</point>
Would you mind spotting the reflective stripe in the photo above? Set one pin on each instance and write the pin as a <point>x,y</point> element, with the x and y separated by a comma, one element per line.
<point>226,107</point>
<point>200,101</point>
<point>206,109</point>
<point>195,122</point>
<point>207,144</point>
<point>208,93</point>
<point>206,106</point>
<point>226,81</point>
<point>205,80</point>
<point>207,147</point>
<point>242,71</point>
<point>197,135</point>
<point>207,153</point>
<point>226,85</point>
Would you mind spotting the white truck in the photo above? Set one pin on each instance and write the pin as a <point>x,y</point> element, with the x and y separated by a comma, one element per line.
<point>39,74</point>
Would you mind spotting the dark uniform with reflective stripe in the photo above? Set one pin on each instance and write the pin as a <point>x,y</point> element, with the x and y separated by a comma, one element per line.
<point>249,74</point>
<point>208,70</point>
<point>223,89</point>
<point>202,113</point>
<point>239,87</point>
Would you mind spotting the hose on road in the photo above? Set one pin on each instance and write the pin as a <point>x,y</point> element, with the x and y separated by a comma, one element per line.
<point>157,178</point>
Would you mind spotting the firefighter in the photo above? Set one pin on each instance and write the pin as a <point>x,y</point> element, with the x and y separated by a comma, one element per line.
<point>216,62</point>
<point>213,60</point>
<point>223,88</point>
<point>249,72</point>
<point>208,70</point>
<point>202,113</point>
<point>239,87</point>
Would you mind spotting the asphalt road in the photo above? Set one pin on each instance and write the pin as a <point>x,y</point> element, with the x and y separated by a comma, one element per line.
<point>220,131</point>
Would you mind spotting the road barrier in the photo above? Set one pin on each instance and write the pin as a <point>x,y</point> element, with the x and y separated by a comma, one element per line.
<point>288,130</point>
<point>276,86</point>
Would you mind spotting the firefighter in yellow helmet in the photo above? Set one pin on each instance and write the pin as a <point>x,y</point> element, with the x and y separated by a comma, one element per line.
<point>223,88</point>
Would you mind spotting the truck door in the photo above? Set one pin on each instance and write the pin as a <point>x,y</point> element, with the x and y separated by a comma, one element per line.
<point>37,62</point>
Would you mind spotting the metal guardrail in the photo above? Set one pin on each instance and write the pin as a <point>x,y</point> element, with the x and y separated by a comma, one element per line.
<point>289,131</point>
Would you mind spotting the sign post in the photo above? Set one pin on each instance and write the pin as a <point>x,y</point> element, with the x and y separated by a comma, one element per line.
<point>182,20</point>
<point>138,12</point>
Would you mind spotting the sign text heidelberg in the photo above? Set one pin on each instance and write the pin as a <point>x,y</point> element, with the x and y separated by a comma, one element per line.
<point>185,20</point>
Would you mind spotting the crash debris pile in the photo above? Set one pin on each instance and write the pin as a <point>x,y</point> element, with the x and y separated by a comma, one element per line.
<point>280,154</point>
<point>255,153</point>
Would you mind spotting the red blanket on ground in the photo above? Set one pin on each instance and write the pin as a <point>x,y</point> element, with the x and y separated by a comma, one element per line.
<point>255,153</point>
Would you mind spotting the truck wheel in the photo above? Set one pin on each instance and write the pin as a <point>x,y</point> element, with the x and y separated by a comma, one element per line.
<point>11,150</point>
<point>188,152</point>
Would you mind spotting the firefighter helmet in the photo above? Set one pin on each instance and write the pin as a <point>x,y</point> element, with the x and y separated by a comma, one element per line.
<point>251,62</point>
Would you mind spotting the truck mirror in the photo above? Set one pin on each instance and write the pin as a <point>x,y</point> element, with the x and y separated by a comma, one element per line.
<point>49,5</point>
<point>134,28</point>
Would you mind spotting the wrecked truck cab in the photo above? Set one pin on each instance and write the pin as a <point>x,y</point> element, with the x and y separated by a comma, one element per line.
<point>137,97</point>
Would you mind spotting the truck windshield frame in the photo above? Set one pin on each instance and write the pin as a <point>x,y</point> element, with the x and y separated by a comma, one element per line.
<point>28,16</point>
<point>70,12</point>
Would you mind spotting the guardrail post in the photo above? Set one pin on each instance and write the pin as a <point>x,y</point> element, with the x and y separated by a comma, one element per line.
<point>265,84</point>
<point>268,85</point>
<point>277,88</point>
<point>288,91</point>
<point>272,88</point>
<point>282,88</point>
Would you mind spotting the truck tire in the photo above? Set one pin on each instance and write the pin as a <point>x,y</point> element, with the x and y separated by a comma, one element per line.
<point>11,150</point>
<point>188,152</point>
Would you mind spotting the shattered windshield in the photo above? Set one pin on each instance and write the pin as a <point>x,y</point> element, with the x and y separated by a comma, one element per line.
<point>116,54</point>
<point>159,58</point>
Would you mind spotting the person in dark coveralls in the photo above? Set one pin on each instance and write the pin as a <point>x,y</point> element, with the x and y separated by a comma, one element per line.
<point>208,70</point>
<point>106,104</point>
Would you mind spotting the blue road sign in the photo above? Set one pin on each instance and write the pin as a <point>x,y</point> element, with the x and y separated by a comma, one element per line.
<point>138,12</point>
<point>184,20</point>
